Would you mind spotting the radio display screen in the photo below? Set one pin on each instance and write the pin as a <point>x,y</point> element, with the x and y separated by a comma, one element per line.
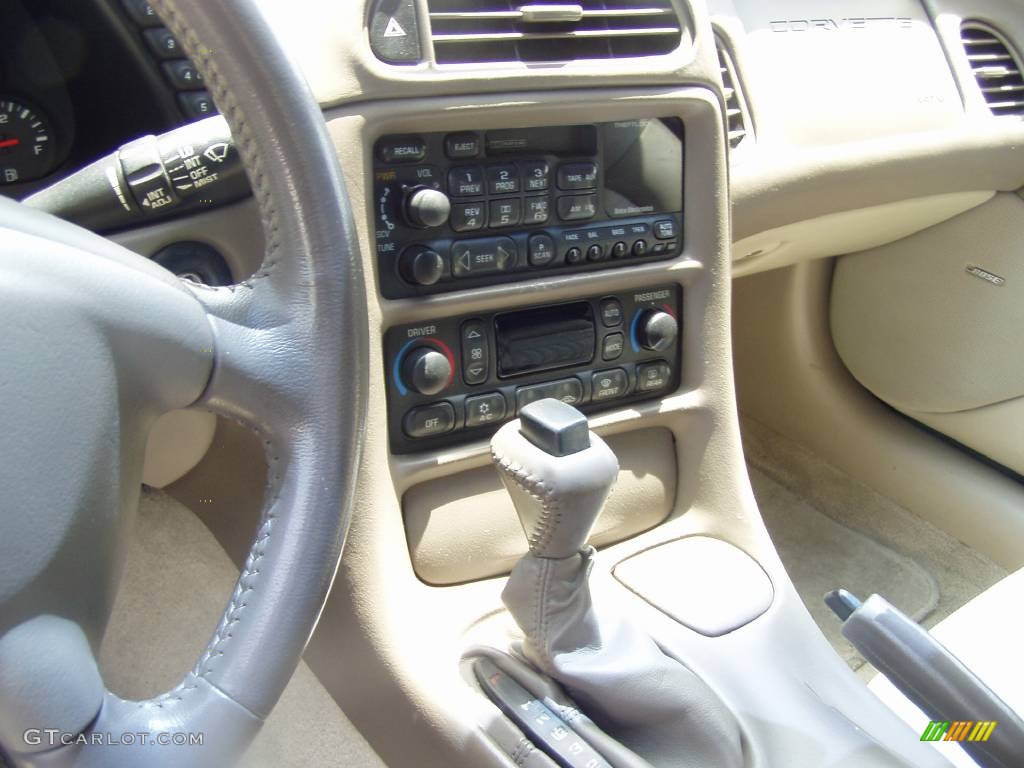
<point>643,167</point>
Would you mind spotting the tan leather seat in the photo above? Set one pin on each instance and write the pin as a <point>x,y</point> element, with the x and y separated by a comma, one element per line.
<point>987,635</point>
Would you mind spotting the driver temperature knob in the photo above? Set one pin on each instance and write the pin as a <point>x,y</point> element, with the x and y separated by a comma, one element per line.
<point>426,207</point>
<point>657,330</point>
<point>427,371</point>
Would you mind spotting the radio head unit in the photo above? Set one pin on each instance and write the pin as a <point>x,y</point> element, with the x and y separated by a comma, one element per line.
<point>468,208</point>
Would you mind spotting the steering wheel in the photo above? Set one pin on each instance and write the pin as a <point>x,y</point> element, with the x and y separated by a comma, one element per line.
<point>96,343</point>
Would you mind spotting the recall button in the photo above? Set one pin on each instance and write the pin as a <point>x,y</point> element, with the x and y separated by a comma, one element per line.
<point>567,390</point>
<point>429,420</point>
<point>402,149</point>
<point>607,385</point>
<point>472,258</point>
<point>485,409</point>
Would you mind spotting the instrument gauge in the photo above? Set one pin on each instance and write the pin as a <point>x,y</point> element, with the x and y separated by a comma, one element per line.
<point>27,145</point>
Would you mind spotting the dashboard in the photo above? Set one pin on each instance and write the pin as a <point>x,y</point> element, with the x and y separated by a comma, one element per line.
<point>541,215</point>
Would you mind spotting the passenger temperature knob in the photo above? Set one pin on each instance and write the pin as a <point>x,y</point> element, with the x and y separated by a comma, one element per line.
<point>657,330</point>
<point>426,370</point>
<point>426,207</point>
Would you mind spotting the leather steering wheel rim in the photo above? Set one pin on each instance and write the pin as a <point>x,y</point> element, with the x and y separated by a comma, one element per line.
<point>285,353</point>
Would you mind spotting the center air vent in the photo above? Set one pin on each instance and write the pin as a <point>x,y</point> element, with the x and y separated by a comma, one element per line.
<point>471,31</point>
<point>996,68</point>
<point>736,115</point>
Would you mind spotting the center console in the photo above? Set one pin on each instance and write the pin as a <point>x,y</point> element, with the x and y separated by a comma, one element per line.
<point>465,209</point>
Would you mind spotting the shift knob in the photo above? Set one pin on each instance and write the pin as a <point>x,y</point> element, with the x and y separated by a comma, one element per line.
<point>558,474</point>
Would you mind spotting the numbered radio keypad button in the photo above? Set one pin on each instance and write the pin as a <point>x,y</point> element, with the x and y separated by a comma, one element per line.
<point>468,217</point>
<point>502,180</point>
<point>466,181</point>
<point>505,213</point>
<point>538,209</point>
<point>536,176</point>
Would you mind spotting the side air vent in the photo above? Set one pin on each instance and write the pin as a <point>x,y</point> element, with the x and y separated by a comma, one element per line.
<point>737,119</point>
<point>475,31</point>
<point>996,68</point>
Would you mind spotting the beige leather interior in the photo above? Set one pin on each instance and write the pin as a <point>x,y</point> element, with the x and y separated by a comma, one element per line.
<point>869,145</point>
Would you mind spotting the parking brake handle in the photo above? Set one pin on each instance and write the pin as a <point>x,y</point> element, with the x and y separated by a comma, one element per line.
<point>188,169</point>
<point>928,674</point>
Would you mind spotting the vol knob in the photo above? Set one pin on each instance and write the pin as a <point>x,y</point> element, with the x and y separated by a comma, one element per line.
<point>426,370</point>
<point>426,207</point>
<point>421,266</point>
<point>657,330</point>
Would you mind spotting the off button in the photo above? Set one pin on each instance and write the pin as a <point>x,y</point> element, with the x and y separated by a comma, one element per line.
<point>429,420</point>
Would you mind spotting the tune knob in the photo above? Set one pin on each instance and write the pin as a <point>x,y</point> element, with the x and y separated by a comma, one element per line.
<point>657,330</point>
<point>426,370</point>
<point>426,207</point>
<point>421,266</point>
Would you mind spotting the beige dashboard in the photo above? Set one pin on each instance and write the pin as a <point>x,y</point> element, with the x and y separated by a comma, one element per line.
<point>864,130</point>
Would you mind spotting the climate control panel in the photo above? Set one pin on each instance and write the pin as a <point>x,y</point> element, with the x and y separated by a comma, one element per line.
<point>457,379</point>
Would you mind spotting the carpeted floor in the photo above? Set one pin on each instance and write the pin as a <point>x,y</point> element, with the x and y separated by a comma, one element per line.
<point>832,531</point>
<point>176,581</point>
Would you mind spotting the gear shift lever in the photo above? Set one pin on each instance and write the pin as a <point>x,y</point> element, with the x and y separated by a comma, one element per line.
<point>558,474</point>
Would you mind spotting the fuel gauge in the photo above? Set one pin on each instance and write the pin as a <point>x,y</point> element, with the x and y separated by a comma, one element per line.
<point>27,147</point>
